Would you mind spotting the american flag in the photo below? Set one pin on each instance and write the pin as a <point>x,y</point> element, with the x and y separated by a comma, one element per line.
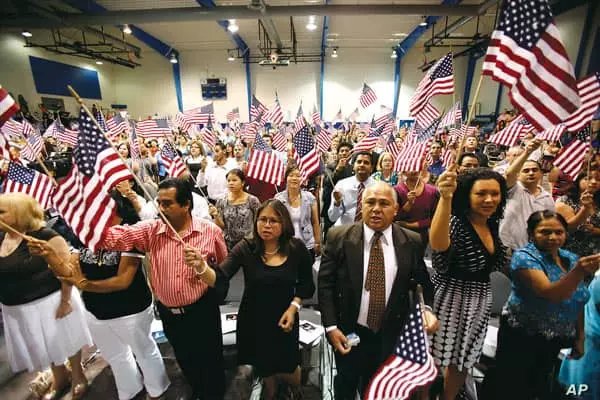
<point>33,147</point>
<point>299,122</point>
<point>233,114</point>
<point>82,198</point>
<point>316,117</point>
<point>388,128</point>
<point>427,115</point>
<point>452,117</point>
<point>12,129</point>
<point>589,92</point>
<point>448,157</point>
<point>415,148</point>
<point>527,55</point>
<point>392,147</point>
<point>257,109</point>
<point>264,165</point>
<point>173,162</point>
<point>353,115</point>
<point>438,80</point>
<point>275,114</point>
<point>153,128</point>
<point>64,134</point>
<point>323,139</point>
<point>367,96</point>
<point>409,367</point>
<point>250,131</point>
<point>570,160</point>
<point>134,144</point>
<point>339,116</point>
<point>100,118</point>
<point>369,142</point>
<point>20,179</point>
<point>384,119</point>
<point>553,134</point>
<point>4,153</point>
<point>209,135</point>
<point>8,106</point>
<point>189,118</point>
<point>117,124</point>
<point>280,140</point>
<point>305,154</point>
<point>511,135</point>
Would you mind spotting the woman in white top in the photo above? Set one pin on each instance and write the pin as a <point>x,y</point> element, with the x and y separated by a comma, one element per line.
<point>303,209</point>
<point>195,158</point>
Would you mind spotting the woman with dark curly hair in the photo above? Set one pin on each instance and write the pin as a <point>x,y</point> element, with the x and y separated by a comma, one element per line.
<point>466,248</point>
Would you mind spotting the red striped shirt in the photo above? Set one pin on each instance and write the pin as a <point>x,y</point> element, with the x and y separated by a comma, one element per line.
<point>173,282</point>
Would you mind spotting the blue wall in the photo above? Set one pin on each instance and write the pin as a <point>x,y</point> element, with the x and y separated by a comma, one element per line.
<point>52,77</point>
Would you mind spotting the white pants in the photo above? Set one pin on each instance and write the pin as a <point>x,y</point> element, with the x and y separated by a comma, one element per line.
<point>118,340</point>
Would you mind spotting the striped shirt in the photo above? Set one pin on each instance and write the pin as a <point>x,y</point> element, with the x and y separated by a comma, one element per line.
<point>172,281</point>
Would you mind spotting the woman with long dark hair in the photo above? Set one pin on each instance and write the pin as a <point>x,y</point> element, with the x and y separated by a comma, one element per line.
<point>466,248</point>
<point>277,275</point>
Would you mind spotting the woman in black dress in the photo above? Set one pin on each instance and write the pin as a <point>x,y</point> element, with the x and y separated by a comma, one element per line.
<point>277,274</point>
<point>466,248</point>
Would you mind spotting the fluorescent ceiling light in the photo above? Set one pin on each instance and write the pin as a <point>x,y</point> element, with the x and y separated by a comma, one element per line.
<point>126,29</point>
<point>233,27</point>
<point>98,62</point>
<point>311,25</point>
<point>26,34</point>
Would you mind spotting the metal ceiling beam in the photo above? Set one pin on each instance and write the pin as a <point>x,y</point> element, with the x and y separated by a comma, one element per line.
<point>99,17</point>
<point>90,6</point>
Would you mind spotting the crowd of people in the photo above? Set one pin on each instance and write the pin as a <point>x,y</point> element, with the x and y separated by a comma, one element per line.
<point>373,228</point>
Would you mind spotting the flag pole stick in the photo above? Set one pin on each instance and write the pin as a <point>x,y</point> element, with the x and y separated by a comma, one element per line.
<point>591,152</point>
<point>470,117</point>
<point>422,305</point>
<point>135,177</point>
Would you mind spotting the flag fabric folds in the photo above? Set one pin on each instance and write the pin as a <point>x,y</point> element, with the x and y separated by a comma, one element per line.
<point>173,162</point>
<point>323,139</point>
<point>280,140</point>
<point>275,114</point>
<point>511,135</point>
<point>33,146</point>
<point>570,160</point>
<point>305,153</point>
<point>196,116</point>
<point>438,80</point>
<point>527,55</point>
<point>233,114</point>
<point>409,367</point>
<point>367,96</point>
<point>589,92</point>
<point>264,165</point>
<point>82,198</point>
<point>452,117</point>
<point>257,109</point>
<point>316,117</point>
<point>20,179</point>
<point>427,115</point>
<point>153,128</point>
<point>8,106</point>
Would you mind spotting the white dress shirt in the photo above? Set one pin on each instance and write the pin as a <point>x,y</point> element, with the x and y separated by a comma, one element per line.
<point>214,177</point>
<point>199,210</point>
<point>344,214</point>
<point>391,267</point>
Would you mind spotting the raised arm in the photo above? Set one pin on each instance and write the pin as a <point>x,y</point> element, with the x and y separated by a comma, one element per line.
<point>439,234</point>
<point>515,167</point>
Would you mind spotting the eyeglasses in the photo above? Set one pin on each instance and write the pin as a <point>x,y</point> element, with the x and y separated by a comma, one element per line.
<point>270,221</point>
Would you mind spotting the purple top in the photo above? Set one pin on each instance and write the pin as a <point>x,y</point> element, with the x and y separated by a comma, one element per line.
<point>422,209</point>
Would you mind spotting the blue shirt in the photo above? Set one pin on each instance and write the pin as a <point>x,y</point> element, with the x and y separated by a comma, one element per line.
<point>437,168</point>
<point>162,171</point>
<point>538,315</point>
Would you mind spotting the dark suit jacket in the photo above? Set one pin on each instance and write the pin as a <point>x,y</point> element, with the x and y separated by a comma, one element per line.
<point>341,280</point>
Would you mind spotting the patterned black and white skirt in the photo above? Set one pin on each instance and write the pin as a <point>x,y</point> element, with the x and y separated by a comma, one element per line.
<point>463,311</point>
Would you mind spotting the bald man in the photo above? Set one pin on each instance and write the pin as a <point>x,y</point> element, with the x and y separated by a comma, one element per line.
<point>378,251</point>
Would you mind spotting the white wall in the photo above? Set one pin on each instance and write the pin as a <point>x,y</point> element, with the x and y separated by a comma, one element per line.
<point>17,78</point>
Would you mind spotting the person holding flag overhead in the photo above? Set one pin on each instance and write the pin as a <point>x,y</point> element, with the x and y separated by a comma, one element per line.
<point>365,276</point>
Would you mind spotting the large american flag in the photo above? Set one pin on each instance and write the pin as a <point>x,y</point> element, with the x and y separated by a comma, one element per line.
<point>233,114</point>
<point>305,154</point>
<point>257,109</point>
<point>367,96</point>
<point>82,198</point>
<point>427,115</point>
<point>264,165</point>
<point>8,106</point>
<point>511,135</point>
<point>589,92</point>
<point>527,55</point>
<point>409,367</point>
<point>438,80</point>
<point>173,162</point>
<point>153,128</point>
<point>570,160</point>
<point>196,116</point>
<point>20,179</point>
<point>452,117</point>
<point>275,114</point>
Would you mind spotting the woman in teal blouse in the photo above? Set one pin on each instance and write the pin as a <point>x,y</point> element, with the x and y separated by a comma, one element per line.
<point>543,314</point>
<point>385,169</point>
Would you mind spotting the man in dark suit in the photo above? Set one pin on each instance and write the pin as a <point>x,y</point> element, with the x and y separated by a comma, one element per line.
<point>367,271</point>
